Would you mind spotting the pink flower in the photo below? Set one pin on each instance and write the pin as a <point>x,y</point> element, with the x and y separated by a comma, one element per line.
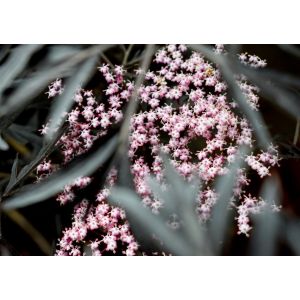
<point>55,88</point>
<point>183,104</point>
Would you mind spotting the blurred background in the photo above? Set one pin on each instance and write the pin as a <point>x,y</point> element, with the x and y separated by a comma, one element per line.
<point>24,107</point>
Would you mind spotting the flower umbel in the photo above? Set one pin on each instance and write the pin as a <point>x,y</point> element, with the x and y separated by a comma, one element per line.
<point>184,111</point>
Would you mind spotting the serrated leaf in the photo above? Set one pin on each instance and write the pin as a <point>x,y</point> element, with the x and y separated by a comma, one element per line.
<point>24,134</point>
<point>15,64</point>
<point>276,88</point>
<point>53,184</point>
<point>64,102</point>
<point>220,217</point>
<point>33,86</point>
<point>26,170</point>
<point>266,224</point>
<point>189,239</point>
<point>61,52</point>
<point>144,221</point>
<point>13,175</point>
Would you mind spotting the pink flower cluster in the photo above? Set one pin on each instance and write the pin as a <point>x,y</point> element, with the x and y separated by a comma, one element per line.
<point>55,88</point>
<point>250,205</point>
<point>185,112</point>
<point>252,60</point>
<point>90,120</point>
<point>106,226</point>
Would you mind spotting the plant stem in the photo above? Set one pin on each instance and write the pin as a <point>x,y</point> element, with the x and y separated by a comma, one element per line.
<point>36,236</point>
<point>133,103</point>
<point>127,54</point>
<point>107,60</point>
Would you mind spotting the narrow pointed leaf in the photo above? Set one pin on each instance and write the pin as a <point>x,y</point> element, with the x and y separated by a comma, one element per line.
<point>55,183</point>
<point>13,175</point>
<point>64,102</point>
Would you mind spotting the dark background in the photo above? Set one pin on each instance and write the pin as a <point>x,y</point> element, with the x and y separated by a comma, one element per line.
<point>49,218</point>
